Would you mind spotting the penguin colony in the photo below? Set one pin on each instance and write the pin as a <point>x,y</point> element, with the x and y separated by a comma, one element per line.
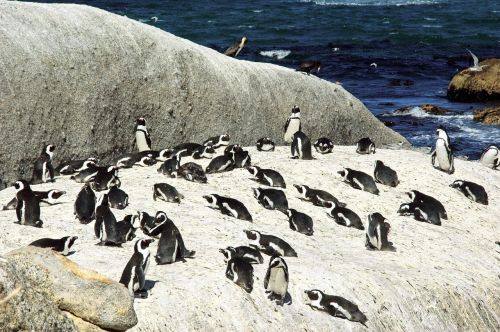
<point>101,193</point>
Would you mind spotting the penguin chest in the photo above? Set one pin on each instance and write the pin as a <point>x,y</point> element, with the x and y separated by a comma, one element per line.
<point>293,127</point>
<point>442,155</point>
<point>45,172</point>
<point>277,282</point>
<point>141,141</point>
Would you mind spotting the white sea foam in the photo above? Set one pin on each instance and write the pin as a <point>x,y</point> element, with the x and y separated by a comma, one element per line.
<point>276,54</point>
<point>372,2</point>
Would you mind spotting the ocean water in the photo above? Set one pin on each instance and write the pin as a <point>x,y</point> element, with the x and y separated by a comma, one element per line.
<point>423,41</point>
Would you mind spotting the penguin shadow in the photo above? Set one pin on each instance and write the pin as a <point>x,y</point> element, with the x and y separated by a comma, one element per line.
<point>149,284</point>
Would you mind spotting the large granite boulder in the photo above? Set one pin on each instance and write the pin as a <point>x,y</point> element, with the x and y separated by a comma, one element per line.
<point>484,85</point>
<point>67,296</point>
<point>77,77</point>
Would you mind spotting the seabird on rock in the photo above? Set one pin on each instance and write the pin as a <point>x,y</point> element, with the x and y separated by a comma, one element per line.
<point>234,50</point>
<point>476,66</point>
<point>308,66</point>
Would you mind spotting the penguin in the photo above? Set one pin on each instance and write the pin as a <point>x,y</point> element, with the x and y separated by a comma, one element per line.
<point>118,199</point>
<point>28,205</point>
<point>106,227</point>
<point>385,175</point>
<point>359,180</point>
<point>141,135</point>
<point>316,196</point>
<point>377,232</point>
<point>491,157</point>
<point>269,244</point>
<point>85,204</point>
<point>74,166</point>
<point>43,171</point>
<point>240,271</point>
<point>343,216</point>
<point>251,255</point>
<point>365,146</point>
<point>218,141</point>
<point>170,167</point>
<point>323,145</point>
<point>49,197</point>
<point>222,163</point>
<point>443,153</point>
<point>308,66</point>
<point>276,279</point>
<point>233,148</point>
<point>271,199</point>
<point>62,245</point>
<point>171,247</point>
<point>336,306</point>
<point>229,206</point>
<point>105,178</point>
<point>292,125</point>
<point>267,176</point>
<point>241,158</point>
<point>127,227</point>
<point>193,172</point>
<point>234,50</point>
<point>419,197</point>
<point>134,275</point>
<point>300,222</point>
<point>128,160</point>
<point>166,192</point>
<point>301,146</point>
<point>146,222</point>
<point>421,212</point>
<point>203,151</point>
<point>88,174</point>
<point>471,190</point>
<point>184,149</point>
<point>265,144</point>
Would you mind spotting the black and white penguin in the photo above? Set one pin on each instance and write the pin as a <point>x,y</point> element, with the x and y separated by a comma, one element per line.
<point>269,244</point>
<point>491,157</point>
<point>218,141</point>
<point>62,245</point>
<point>343,216</point>
<point>316,196</point>
<point>171,247</point>
<point>276,279</point>
<point>128,160</point>
<point>233,148</point>
<point>118,199</point>
<point>234,50</point>
<point>127,227</point>
<point>359,180</point>
<point>241,158</point>
<point>271,199</point>
<point>421,212</point>
<point>28,205</point>
<point>192,172</point>
<point>222,163</point>
<point>301,146</point>
<point>365,146</point>
<point>240,271</point>
<point>170,167</point>
<point>308,66</point>
<point>419,197</point>
<point>141,135</point>
<point>106,227</point>
<point>134,275</point>
<point>74,166</point>
<point>48,197</point>
<point>251,255</point>
<point>43,171</point>
<point>292,125</point>
<point>229,206</point>
<point>443,153</point>
<point>385,175</point>
<point>87,174</point>
<point>377,233</point>
<point>166,192</point>
<point>265,144</point>
<point>323,145</point>
<point>85,204</point>
<point>336,306</point>
<point>300,222</point>
<point>471,190</point>
<point>204,151</point>
<point>105,178</point>
<point>266,176</point>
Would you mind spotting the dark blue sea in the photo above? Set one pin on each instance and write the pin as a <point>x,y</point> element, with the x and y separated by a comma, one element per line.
<point>420,40</point>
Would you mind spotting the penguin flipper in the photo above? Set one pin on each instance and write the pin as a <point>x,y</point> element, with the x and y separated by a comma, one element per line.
<point>19,207</point>
<point>433,158</point>
<point>141,277</point>
<point>266,278</point>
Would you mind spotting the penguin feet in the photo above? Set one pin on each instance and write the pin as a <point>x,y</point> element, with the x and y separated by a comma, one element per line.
<point>141,294</point>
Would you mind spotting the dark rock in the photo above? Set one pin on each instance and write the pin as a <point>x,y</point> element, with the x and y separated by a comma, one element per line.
<point>427,108</point>
<point>489,115</point>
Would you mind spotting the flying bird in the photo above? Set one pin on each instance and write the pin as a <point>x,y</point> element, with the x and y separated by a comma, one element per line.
<point>476,66</point>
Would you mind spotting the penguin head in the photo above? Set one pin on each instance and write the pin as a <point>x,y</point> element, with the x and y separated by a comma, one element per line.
<point>295,109</point>
<point>49,149</point>
<point>378,163</point>
<point>412,194</point>
<point>457,184</point>
<point>290,212</point>
<point>233,148</point>
<point>314,294</point>
<point>329,205</point>
<point>277,262</point>
<point>20,185</point>
<point>302,189</point>
<point>91,162</point>
<point>208,151</point>
<point>224,139</point>
<point>92,159</point>
<point>211,199</point>
<point>140,121</point>
<point>160,217</point>
<point>252,235</point>
<point>253,170</point>
<point>343,173</point>
<point>377,217</point>
<point>69,241</point>
<point>142,244</point>
<point>54,194</point>
<point>405,209</point>
<point>228,253</point>
<point>256,192</point>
